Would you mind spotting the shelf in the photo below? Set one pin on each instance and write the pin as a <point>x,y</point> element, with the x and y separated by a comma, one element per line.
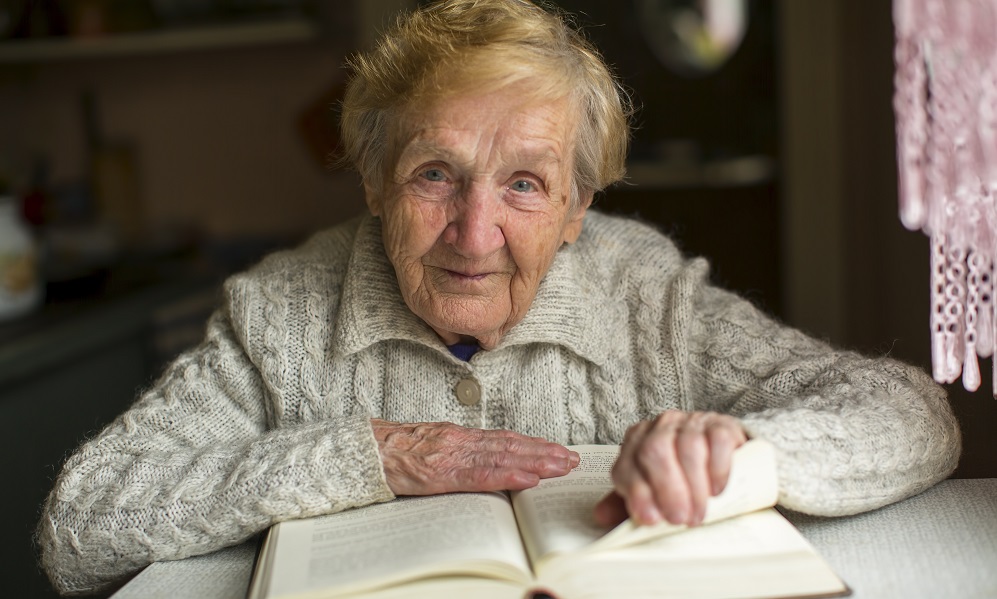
<point>159,42</point>
<point>743,171</point>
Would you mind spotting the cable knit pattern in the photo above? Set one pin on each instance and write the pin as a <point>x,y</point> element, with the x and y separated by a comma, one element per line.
<point>269,418</point>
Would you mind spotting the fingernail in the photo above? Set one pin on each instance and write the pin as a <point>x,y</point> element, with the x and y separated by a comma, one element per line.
<point>678,516</point>
<point>557,466</point>
<point>650,515</point>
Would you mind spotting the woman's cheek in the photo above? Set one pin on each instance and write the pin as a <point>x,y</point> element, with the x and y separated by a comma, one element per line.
<point>414,227</point>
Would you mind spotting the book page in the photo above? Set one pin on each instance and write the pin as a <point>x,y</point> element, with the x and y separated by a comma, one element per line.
<point>759,554</point>
<point>386,543</point>
<point>752,485</point>
<point>556,516</point>
<point>759,533</point>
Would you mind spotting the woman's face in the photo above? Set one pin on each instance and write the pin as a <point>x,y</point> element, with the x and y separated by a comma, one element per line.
<point>475,208</point>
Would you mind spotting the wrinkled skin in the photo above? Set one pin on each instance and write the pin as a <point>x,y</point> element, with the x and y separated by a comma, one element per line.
<point>669,466</point>
<point>475,208</point>
<point>430,458</point>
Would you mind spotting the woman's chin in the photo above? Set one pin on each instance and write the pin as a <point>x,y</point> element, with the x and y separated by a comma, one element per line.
<point>459,317</point>
<point>455,332</point>
<point>470,327</point>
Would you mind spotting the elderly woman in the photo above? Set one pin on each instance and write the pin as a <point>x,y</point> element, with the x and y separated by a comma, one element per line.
<point>477,319</point>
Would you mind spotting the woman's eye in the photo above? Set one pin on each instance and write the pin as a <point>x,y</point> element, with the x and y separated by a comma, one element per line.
<point>434,174</point>
<point>522,186</point>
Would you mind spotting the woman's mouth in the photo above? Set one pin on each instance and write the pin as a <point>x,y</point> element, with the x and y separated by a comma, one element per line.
<point>467,276</point>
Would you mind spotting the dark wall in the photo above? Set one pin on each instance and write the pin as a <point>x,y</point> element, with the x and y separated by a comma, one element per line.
<point>729,112</point>
<point>691,123</point>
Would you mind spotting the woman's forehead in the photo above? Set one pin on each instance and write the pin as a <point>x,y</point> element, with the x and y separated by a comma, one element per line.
<point>541,128</point>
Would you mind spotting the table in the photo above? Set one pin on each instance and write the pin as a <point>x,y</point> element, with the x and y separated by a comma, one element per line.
<point>939,544</point>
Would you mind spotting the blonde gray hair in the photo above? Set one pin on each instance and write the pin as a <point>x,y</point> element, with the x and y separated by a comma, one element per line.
<point>455,46</point>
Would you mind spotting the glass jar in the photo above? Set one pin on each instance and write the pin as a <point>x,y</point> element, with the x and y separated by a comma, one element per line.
<point>20,280</point>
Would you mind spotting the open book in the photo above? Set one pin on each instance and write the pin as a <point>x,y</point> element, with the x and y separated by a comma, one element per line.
<point>544,541</point>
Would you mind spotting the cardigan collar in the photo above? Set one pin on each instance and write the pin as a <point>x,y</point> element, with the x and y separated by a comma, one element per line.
<point>565,311</point>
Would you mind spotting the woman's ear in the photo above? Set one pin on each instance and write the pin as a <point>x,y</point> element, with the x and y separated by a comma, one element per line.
<point>573,229</point>
<point>373,198</point>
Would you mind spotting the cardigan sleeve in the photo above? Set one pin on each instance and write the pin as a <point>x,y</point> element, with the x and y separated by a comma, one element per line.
<point>852,433</point>
<point>192,467</point>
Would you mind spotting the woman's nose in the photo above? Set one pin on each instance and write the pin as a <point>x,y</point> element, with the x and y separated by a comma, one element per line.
<point>475,230</point>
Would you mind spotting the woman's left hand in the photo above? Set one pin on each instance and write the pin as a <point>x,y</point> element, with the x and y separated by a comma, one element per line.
<point>669,466</point>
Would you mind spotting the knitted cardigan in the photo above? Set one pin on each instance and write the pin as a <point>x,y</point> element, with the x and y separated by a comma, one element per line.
<point>269,418</point>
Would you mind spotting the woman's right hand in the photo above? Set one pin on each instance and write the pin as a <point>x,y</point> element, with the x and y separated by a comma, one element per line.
<point>428,458</point>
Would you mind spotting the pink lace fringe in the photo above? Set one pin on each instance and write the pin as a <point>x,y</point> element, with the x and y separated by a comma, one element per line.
<point>946,107</point>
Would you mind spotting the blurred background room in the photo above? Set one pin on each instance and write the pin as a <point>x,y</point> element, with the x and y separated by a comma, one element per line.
<point>148,148</point>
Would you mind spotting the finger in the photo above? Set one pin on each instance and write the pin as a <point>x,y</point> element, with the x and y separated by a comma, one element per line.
<point>498,432</point>
<point>724,437</point>
<point>544,466</point>
<point>629,480</point>
<point>494,479</point>
<point>640,503</point>
<point>610,511</point>
<point>516,451</point>
<point>444,437</point>
<point>477,448</point>
<point>509,441</point>
<point>693,455</point>
<point>660,466</point>
<point>470,480</point>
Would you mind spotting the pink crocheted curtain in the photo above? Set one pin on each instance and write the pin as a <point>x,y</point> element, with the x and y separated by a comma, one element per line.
<point>946,108</point>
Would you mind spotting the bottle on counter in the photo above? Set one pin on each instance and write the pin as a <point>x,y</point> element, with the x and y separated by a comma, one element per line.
<point>20,275</point>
